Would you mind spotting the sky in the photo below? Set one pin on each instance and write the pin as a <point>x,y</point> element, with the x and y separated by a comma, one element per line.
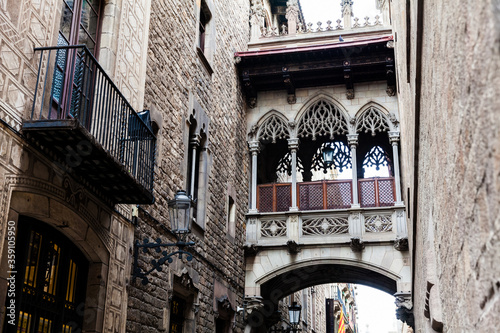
<point>376,309</point>
<point>324,10</point>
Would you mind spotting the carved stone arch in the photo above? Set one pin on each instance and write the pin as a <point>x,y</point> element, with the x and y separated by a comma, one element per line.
<point>68,208</point>
<point>271,127</point>
<point>199,119</point>
<point>322,115</point>
<point>373,118</point>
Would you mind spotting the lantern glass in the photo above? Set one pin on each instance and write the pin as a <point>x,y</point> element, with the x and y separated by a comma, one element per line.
<point>294,313</point>
<point>328,153</point>
<point>179,209</point>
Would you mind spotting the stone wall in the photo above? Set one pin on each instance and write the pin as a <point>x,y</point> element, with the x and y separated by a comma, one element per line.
<point>449,115</point>
<point>177,83</point>
<point>32,184</point>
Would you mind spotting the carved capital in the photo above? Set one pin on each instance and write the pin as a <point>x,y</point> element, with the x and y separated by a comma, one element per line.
<point>293,143</point>
<point>394,138</point>
<point>401,244</point>
<point>254,147</point>
<point>352,139</point>
<point>291,99</point>
<point>357,244</point>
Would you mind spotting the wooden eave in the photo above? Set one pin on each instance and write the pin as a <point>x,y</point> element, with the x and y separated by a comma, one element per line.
<point>335,63</point>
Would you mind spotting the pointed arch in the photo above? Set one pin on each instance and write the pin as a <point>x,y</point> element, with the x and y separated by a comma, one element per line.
<point>322,115</point>
<point>272,126</point>
<point>373,118</point>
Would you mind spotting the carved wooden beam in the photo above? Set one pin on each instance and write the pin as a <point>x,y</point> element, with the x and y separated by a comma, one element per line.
<point>348,79</point>
<point>250,91</point>
<point>391,76</point>
<point>290,87</point>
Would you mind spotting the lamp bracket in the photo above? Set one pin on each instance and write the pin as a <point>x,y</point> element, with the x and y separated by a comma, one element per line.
<point>157,264</point>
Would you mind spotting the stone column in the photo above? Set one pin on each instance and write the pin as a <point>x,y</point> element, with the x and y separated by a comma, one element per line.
<point>353,143</point>
<point>293,145</point>
<point>347,13</point>
<point>194,143</point>
<point>394,138</point>
<point>254,150</point>
<point>292,15</point>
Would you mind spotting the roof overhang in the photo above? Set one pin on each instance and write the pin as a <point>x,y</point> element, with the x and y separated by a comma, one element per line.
<point>333,63</point>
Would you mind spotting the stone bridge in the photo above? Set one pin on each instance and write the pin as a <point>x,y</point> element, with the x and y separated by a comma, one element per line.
<point>287,252</point>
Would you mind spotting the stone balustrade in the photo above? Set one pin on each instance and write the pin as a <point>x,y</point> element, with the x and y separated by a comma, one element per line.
<point>338,226</point>
<point>309,28</point>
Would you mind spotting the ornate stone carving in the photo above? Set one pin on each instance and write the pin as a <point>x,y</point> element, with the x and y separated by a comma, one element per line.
<point>390,44</point>
<point>347,8</point>
<point>404,309</point>
<point>391,91</point>
<point>273,228</point>
<point>349,94</point>
<point>291,99</point>
<point>372,120</point>
<point>322,118</point>
<point>223,303</point>
<point>250,250</point>
<point>252,102</point>
<point>357,244</point>
<point>378,223</point>
<point>273,128</point>
<point>293,247</point>
<point>401,244</point>
<point>325,226</point>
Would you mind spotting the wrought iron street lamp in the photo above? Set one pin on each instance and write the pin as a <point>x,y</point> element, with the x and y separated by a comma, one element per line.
<point>294,316</point>
<point>180,219</point>
<point>328,155</point>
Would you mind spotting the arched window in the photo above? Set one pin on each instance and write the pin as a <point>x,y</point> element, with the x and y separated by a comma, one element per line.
<point>50,282</point>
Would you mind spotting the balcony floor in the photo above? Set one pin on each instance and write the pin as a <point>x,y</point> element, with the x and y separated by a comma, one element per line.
<point>75,150</point>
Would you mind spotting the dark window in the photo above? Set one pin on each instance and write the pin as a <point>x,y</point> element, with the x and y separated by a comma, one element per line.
<point>51,281</point>
<point>203,23</point>
<point>80,23</point>
<point>177,314</point>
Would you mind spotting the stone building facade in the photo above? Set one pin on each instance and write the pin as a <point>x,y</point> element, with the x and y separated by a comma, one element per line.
<point>193,92</point>
<point>448,61</point>
<point>149,56</point>
<point>54,213</point>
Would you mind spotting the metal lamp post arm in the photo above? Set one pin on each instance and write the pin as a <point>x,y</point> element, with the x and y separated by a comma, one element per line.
<point>157,264</point>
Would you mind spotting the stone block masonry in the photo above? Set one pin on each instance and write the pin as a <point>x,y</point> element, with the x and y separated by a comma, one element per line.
<point>176,79</point>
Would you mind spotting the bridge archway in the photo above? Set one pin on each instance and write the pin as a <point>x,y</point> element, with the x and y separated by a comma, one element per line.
<point>275,273</point>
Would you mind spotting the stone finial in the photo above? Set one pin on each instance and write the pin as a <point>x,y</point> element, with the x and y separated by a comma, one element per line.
<point>347,12</point>
<point>292,15</point>
<point>346,7</point>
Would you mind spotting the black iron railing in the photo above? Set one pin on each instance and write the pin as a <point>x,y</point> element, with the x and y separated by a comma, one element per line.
<point>72,85</point>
